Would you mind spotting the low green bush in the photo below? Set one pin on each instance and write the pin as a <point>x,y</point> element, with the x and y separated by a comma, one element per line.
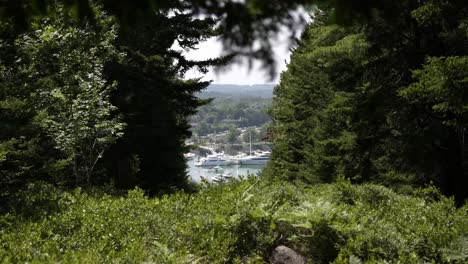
<point>233,223</point>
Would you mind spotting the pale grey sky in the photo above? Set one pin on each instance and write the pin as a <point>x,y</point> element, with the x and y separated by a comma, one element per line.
<point>239,74</point>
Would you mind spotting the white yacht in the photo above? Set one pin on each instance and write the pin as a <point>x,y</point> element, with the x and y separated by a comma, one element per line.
<point>236,159</point>
<point>258,159</point>
<point>212,160</point>
<point>189,156</point>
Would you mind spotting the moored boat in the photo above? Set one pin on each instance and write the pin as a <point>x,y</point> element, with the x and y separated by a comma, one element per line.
<point>258,159</point>
<point>189,156</point>
<point>220,178</point>
<point>213,160</point>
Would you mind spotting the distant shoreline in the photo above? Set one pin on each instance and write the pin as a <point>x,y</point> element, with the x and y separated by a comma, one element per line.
<point>256,90</point>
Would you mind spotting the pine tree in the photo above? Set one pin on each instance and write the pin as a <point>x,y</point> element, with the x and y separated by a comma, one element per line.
<point>154,100</point>
<point>380,101</point>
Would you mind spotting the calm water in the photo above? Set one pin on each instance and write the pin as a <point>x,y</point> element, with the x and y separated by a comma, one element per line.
<point>208,172</point>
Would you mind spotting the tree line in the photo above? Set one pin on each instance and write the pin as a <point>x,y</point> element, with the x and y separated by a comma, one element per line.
<point>383,101</point>
<point>224,113</point>
<point>87,104</point>
<point>92,92</point>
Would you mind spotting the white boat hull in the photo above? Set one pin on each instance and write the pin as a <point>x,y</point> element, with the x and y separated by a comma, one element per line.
<point>253,162</point>
<point>207,163</point>
<point>261,159</point>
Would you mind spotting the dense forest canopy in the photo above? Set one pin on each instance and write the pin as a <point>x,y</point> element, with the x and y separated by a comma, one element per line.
<point>84,103</point>
<point>232,107</point>
<point>382,101</point>
<point>246,28</point>
<point>374,92</point>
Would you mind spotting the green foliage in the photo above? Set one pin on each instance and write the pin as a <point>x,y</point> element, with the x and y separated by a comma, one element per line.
<point>441,84</point>
<point>70,92</point>
<point>83,103</point>
<point>313,104</point>
<point>250,136</point>
<point>239,23</point>
<point>57,120</point>
<point>233,135</point>
<point>222,113</point>
<point>154,99</point>
<point>243,220</point>
<point>382,101</point>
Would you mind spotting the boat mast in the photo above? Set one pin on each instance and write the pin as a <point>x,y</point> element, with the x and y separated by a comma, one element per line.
<point>250,142</point>
<point>214,143</point>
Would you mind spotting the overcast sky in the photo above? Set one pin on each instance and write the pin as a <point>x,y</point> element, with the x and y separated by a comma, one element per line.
<point>239,74</point>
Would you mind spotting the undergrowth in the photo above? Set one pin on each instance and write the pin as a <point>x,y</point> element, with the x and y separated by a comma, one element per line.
<point>233,223</point>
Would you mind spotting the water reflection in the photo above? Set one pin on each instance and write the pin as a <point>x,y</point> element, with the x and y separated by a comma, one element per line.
<point>210,172</point>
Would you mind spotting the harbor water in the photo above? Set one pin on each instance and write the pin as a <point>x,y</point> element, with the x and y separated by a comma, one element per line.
<point>208,172</point>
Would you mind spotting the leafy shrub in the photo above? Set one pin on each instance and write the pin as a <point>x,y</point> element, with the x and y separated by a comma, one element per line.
<point>231,223</point>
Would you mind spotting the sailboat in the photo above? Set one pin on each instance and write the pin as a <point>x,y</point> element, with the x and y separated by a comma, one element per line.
<point>213,159</point>
<point>260,158</point>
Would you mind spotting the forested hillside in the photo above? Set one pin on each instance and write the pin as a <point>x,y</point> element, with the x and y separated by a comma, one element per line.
<point>231,108</point>
<point>383,101</point>
<point>230,90</point>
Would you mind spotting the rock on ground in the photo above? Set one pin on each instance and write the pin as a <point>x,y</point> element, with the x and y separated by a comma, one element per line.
<point>285,255</point>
